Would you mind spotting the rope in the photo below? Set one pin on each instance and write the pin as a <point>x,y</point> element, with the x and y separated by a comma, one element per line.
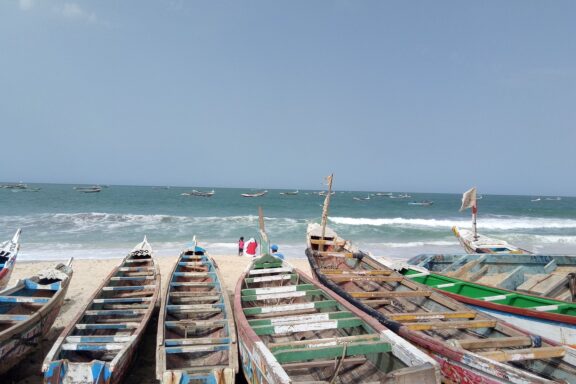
<point>339,365</point>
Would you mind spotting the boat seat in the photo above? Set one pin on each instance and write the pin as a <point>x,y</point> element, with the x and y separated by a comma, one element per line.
<point>24,299</point>
<point>194,299</point>
<point>196,274</point>
<point>391,294</point>
<point>323,316</point>
<point>132,278</point>
<point>14,318</point>
<point>98,339</point>
<point>197,348</point>
<point>323,363</point>
<point>124,300</point>
<point>195,308</point>
<point>278,277</point>
<point>187,323</point>
<point>283,295</point>
<point>331,351</point>
<point>116,312</point>
<point>122,325</point>
<point>368,278</point>
<point>197,341</point>
<point>136,269</point>
<point>92,346</point>
<point>525,354</point>
<point>369,302</point>
<point>193,294</point>
<point>324,341</point>
<point>330,271</point>
<point>289,307</point>
<point>416,316</point>
<point>437,325</point>
<point>306,326</point>
<point>129,288</point>
<point>494,342</point>
<point>270,270</point>
<point>199,284</point>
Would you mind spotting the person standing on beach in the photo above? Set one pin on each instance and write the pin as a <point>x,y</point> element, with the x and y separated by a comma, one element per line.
<point>250,247</point>
<point>241,246</point>
<point>274,249</point>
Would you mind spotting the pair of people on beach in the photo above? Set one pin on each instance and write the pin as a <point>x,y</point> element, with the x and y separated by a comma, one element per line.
<point>248,248</point>
<point>251,246</point>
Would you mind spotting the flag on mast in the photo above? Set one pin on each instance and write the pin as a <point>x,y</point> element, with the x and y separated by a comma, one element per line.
<point>469,200</point>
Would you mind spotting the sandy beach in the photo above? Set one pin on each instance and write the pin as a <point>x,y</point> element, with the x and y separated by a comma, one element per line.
<point>88,275</point>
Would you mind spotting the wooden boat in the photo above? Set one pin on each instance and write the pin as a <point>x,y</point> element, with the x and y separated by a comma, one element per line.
<point>196,333</point>
<point>469,345</point>
<point>471,241</point>
<point>291,329</point>
<point>258,194</point>
<point>484,244</point>
<point>28,310</point>
<point>292,193</point>
<point>100,343</point>
<point>8,253</point>
<point>541,275</point>
<point>553,318</point>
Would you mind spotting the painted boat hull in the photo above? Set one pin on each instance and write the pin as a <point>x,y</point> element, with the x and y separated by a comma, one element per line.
<point>66,364</point>
<point>19,341</point>
<point>9,253</point>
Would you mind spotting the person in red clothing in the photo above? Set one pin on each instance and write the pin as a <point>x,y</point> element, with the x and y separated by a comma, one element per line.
<point>241,246</point>
<point>250,247</point>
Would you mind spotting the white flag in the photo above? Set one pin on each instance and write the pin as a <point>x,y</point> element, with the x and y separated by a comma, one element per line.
<point>469,199</point>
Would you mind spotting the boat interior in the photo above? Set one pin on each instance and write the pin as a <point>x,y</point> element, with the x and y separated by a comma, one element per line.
<point>401,303</point>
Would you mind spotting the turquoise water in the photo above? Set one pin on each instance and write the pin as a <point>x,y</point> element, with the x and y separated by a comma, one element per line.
<point>59,222</point>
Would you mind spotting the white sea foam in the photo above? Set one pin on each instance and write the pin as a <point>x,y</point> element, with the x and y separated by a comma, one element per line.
<point>490,223</point>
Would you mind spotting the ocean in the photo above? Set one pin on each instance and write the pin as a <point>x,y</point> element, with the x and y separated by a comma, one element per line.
<point>59,222</point>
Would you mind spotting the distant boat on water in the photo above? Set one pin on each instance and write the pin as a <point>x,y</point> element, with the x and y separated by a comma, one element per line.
<point>258,194</point>
<point>422,203</point>
<point>536,199</point>
<point>92,189</point>
<point>554,198</point>
<point>199,193</point>
<point>290,193</point>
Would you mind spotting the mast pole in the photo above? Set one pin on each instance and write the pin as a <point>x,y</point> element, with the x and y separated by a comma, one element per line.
<point>474,214</point>
<point>326,205</point>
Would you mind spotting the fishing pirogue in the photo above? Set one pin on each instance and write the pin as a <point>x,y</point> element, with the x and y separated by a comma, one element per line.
<point>28,310</point>
<point>470,346</point>
<point>100,343</point>
<point>291,329</point>
<point>8,253</point>
<point>196,334</point>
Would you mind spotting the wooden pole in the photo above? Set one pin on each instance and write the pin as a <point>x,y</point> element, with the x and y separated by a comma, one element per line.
<point>326,206</point>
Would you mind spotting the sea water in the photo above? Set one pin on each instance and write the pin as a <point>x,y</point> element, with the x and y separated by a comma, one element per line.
<point>59,222</point>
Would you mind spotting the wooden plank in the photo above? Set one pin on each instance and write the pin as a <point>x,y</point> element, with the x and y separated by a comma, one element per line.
<point>197,341</point>
<point>14,317</point>
<point>307,326</point>
<point>332,340</point>
<point>196,323</point>
<point>132,325</point>
<point>194,294</point>
<point>24,299</point>
<point>284,295</point>
<point>329,271</point>
<point>92,346</point>
<point>525,354</point>
<point>324,363</point>
<point>98,339</point>
<point>494,342</point>
<point>129,288</point>
<point>289,307</point>
<point>123,300</point>
<point>380,279</point>
<point>331,351</point>
<point>322,241</point>
<point>323,316</point>
<point>416,316</point>
<point>335,254</point>
<point>377,302</point>
<point>435,325</point>
<point>270,278</point>
<point>270,270</point>
<point>197,348</point>
<point>115,312</point>
<point>392,294</point>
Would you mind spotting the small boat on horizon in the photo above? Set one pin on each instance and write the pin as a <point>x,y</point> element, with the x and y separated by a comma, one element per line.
<point>199,193</point>
<point>92,189</point>
<point>422,203</point>
<point>290,193</point>
<point>258,194</point>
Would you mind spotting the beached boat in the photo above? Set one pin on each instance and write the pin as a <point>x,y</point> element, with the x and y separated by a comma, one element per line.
<point>258,194</point>
<point>469,345</point>
<point>196,333</point>
<point>292,329</point>
<point>99,345</point>
<point>28,310</point>
<point>550,276</point>
<point>554,319</point>
<point>199,193</point>
<point>8,254</point>
<point>471,241</point>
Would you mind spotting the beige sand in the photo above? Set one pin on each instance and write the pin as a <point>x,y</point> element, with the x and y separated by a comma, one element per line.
<point>88,276</point>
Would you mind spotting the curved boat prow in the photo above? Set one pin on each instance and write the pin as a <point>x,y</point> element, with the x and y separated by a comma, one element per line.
<point>16,236</point>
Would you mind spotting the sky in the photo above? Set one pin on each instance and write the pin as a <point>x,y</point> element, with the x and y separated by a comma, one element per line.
<point>420,96</point>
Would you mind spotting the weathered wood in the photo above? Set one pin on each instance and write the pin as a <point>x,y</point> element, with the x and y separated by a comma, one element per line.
<point>324,363</point>
<point>415,316</point>
<point>329,271</point>
<point>393,294</point>
<point>495,342</point>
<point>379,279</point>
<point>374,303</point>
<point>335,254</point>
<point>525,354</point>
<point>436,325</point>
<point>333,340</point>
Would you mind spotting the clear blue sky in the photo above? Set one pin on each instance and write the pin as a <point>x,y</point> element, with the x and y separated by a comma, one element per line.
<point>433,96</point>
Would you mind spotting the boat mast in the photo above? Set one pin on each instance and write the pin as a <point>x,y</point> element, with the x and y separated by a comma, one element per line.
<point>326,205</point>
<point>474,214</point>
<point>265,243</point>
